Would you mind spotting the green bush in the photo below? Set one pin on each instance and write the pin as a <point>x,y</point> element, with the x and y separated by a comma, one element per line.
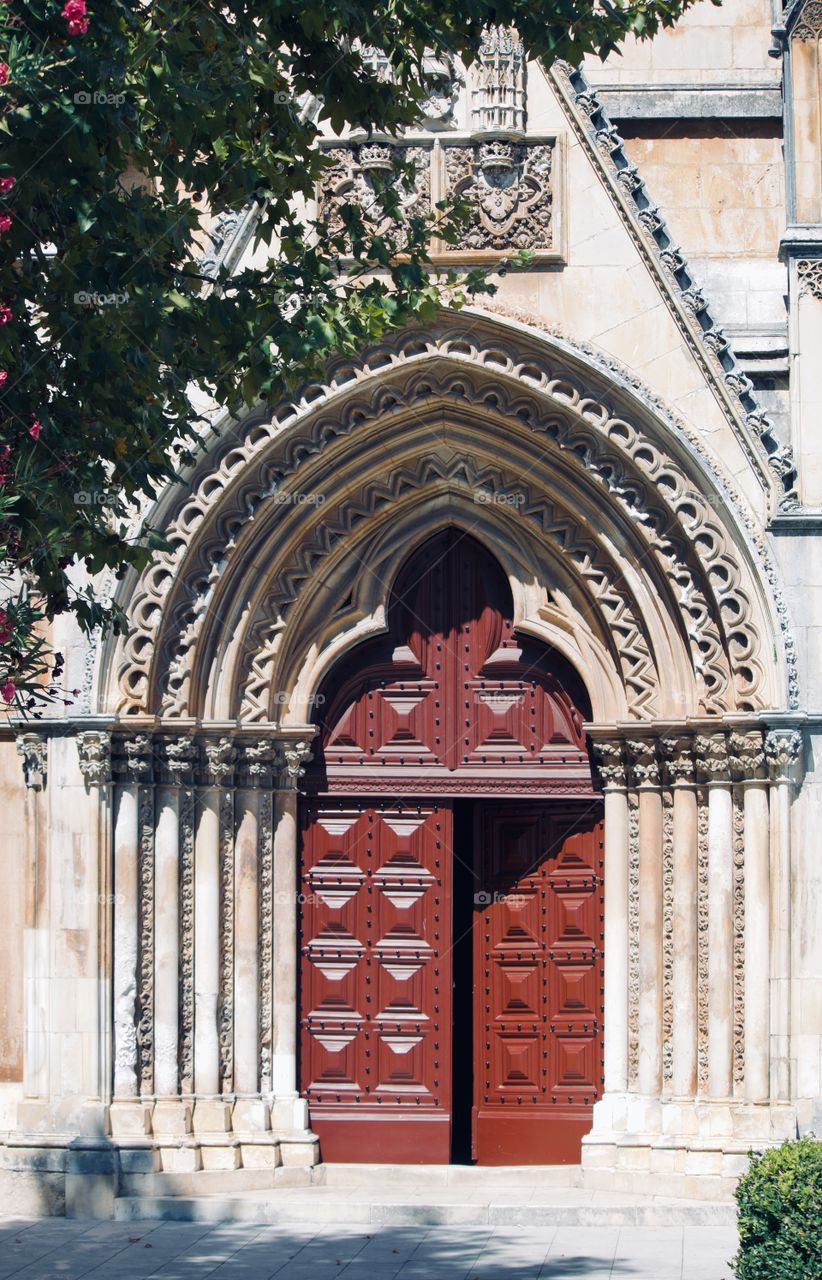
<point>780,1214</point>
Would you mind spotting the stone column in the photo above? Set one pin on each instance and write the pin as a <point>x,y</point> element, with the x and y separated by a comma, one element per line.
<point>649,1021</point>
<point>752,939</point>
<point>680,922</point>
<point>615,1030</point>
<point>132,763</point>
<point>33,751</point>
<point>177,773</point>
<point>94,997</point>
<point>783,748</point>
<point>290,1111</point>
<point>712,757</point>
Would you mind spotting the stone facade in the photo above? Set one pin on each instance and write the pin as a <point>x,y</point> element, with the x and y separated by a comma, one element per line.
<point>629,425</point>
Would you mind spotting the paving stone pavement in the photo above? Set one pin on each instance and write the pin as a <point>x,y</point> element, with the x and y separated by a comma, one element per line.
<point>60,1249</point>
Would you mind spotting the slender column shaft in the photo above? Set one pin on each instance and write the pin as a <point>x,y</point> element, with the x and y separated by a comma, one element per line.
<point>166,943</point>
<point>781,942</point>
<point>650,941</point>
<point>616,940</point>
<point>284,1048</point>
<point>720,939</point>
<point>683,1080</point>
<point>757,942</point>
<point>206,947</point>
<point>125,942</point>
<point>246,968</point>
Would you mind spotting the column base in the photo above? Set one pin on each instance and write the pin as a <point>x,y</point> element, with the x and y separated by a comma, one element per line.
<point>696,1148</point>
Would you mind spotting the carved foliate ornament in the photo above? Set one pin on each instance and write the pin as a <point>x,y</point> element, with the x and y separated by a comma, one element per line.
<point>677,760</point>
<point>33,749</point>
<point>221,756</point>
<point>644,763</point>
<point>259,760</point>
<point>134,758</point>
<point>711,754</point>
<point>610,763</point>
<point>783,749</point>
<point>94,752</point>
<point>180,755</point>
<point>746,756</point>
<point>296,756</point>
<point>508,186</point>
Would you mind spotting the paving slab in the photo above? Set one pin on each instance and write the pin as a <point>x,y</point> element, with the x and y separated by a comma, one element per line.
<point>163,1250</point>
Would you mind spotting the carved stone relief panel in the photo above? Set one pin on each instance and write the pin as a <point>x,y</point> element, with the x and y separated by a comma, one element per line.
<point>510,189</point>
<point>360,170</point>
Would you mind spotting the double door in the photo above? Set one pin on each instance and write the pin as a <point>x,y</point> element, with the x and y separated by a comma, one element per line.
<point>451,989</point>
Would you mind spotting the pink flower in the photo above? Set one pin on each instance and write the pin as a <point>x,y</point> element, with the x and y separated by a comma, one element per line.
<point>6,185</point>
<point>6,629</point>
<point>8,690</point>
<point>5,222</point>
<point>3,377</point>
<point>4,72</point>
<point>5,314</point>
<point>35,429</point>
<point>74,11</point>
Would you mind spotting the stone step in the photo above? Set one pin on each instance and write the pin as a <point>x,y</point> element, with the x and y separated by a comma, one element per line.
<point>448,1206</point>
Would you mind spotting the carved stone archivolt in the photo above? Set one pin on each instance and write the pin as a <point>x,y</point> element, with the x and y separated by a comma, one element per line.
<point>710,573</point>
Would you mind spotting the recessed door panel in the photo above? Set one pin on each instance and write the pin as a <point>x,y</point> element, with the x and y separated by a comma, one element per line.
<point>376,981</point>
<point>537,982</point>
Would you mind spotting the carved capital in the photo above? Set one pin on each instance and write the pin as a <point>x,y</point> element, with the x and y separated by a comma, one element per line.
<point>259,760</point>
<point>135,761</point>
<point>221,757</point>
<point>746,756</point>
<point>180,757</point>
<point>296,755</point>
<point>644,763</point>
<point>783,749</point>
<point>33,749</point>
<point>711,754</point>
<point>94,751</point>
<point>611,764</point>
<point>677,760</point>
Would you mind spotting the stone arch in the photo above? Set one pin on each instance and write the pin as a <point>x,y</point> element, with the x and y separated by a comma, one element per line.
<point>651,576</point>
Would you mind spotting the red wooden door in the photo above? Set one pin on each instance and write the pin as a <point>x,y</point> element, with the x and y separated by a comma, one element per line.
<point>376,991</point>
<point>537,982</point>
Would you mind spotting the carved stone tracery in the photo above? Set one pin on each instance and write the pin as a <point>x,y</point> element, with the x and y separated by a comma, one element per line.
<point>809,274</point>
<point>498,82</point>
<point>509,188</point>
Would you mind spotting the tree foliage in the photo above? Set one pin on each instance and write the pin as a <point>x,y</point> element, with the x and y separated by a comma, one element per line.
<point>123,122</point>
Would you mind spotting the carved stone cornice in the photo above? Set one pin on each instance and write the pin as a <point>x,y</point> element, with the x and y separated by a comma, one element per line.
<point>220,760</point>
<point>94,752</point>
<point>711,756</point>
<point>783,749</point>
<point>33,751</point>
<point>644,765</point>
<point>611,766</point>
<point>677,760</point>
<point>746,756</point>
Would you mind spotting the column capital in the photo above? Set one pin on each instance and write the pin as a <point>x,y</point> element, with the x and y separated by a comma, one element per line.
<point>783,748</point>
<point>676,751</point>
<point>643,762</point>
<point>711,755</point>
<point>178,758</point>
<point>260,760</point>
<point>94,752</point>
<point>295,758</point>
<point>611,766</point>
<point>220,760</point>
<point>746,756</point>
<point>33,750</point>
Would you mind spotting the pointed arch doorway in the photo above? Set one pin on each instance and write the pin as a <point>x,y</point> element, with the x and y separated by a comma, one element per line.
<point>451,885</point>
